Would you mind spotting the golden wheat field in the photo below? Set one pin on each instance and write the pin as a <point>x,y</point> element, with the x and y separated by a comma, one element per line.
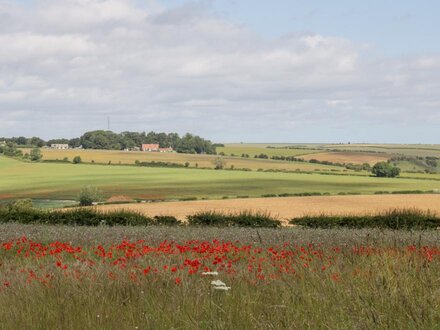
<point>289,207</point>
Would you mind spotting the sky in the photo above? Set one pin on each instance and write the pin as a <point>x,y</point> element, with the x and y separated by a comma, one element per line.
<point>231,70</point>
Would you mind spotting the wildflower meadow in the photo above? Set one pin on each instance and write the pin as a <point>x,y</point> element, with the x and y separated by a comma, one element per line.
<point>225,278</point>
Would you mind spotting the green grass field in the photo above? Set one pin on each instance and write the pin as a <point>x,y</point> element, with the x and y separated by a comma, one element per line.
<point>63,181</point>
<point>256,149</point>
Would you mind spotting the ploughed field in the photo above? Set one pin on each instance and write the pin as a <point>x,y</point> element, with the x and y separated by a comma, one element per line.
<point>217,278</point>
<point>64,181</point>
<point>286,208</point>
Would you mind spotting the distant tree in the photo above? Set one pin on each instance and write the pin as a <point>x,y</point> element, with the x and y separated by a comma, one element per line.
<point>35,155</point>
<point>219,163</point>
<point>195,145</point>
<point>431,162</point>
<point>57,141</point>
<point>385,170</point>
<point>11,151</point>
<point>366,166</point>
<point>262,156</point>
<point>74,143</point>
<point>77,160</point>
<point>109,140</point>
<point>36,141</point>
<point>21,140</point>
<point>89,195</point>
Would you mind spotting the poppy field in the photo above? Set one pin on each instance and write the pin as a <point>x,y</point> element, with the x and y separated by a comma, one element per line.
<point>163,277</point>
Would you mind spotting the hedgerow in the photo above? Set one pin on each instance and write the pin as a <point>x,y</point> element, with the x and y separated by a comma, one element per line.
<point>241,219</point>
<point>394,219</point>
<point>76,217</point>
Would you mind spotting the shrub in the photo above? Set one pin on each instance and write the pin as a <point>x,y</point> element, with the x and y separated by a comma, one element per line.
<point>187,199</point>
<point>408,192</point>
<point>285,195</point>
<point>159,164</point>
<point>166,220</point>
<point>219,163</point>
<point>89,195</point>
<point>385,170</point>
<point>242,219</point>
<point>77,160</point>
<point>394,219</point>
<point>35,155</point>
<point>21,204</point>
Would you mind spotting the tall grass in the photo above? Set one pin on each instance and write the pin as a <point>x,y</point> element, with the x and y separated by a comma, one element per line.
<point>377,291</point>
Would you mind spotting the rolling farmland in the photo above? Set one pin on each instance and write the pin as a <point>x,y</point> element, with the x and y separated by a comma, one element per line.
<point>270,150</point>
<point>201,161</point>
<point>63,181</point>
<point>348,157</point>
<point>421,150</point>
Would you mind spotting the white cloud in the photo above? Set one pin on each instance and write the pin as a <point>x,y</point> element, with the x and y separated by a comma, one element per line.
<point>188,69</point>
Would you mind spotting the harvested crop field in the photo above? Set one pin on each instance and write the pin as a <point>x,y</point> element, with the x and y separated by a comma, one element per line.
<point>348,157</point>
<point>290,207</point>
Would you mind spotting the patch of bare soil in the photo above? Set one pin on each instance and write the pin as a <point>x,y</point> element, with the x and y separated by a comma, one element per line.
<point>119,199</point>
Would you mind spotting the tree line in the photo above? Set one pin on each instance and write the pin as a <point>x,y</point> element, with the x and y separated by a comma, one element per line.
<point>109,140</point>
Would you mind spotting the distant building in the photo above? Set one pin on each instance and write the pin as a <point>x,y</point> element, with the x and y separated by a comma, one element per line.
<point>133,149</point>
<point>59,146</point>
<point>154,147</point>
<point>150,147</point>
<point>2,143</point>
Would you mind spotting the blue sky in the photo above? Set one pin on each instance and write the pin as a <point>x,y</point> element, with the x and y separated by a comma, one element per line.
<point>231,70</point>
<point>392,27</point>
<point>403,27</point>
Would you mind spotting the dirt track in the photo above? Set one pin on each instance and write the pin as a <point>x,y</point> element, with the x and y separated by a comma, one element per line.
<point>291,207</point>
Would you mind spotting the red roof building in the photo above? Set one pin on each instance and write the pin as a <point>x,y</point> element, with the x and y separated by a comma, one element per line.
<point>155,148</point>
<point>150,147</point>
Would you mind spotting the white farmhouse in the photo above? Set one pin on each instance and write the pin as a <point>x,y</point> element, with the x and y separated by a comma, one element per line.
<point>59,146</point>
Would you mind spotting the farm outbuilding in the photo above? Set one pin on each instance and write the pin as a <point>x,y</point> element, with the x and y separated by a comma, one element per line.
<point>59,146</point>
<point>153,147</point>
<point>150,147</point>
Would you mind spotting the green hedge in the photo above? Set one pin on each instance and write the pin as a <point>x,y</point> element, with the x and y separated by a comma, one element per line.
<point>76,217</point>
<point>395,219</point>
<point>242,219</point>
